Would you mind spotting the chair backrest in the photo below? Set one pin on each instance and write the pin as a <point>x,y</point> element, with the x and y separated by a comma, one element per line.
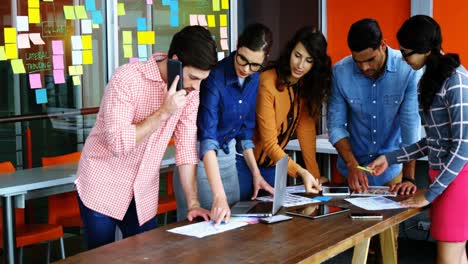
<point>7,166</point>
<point>56,160</point>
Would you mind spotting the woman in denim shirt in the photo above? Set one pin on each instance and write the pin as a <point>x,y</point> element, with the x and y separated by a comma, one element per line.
<point>443,100</point>
<point>226,119</point>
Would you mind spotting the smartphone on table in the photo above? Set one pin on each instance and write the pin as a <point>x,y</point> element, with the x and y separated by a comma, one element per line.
<point>174,68</point>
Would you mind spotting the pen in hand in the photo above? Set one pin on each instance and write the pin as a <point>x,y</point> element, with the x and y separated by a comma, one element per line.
<point>364,169</point>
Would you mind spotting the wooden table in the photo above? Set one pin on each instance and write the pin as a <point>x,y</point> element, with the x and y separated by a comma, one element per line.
<point>298,240</point>
<point>21,185</point>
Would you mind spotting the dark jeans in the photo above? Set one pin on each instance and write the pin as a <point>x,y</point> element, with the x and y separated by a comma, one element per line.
<point>245,177</point>
<point>99,229</point>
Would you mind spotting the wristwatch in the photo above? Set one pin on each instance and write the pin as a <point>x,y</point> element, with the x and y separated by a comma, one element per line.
<point>408,179</point>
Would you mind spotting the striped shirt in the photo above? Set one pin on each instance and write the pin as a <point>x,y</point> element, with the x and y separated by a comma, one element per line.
<point>446,141</point>
<point>113,168</point>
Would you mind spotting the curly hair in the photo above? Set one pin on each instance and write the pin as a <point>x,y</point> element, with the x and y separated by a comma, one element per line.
<point>315,84</point>
<point>422,34</point>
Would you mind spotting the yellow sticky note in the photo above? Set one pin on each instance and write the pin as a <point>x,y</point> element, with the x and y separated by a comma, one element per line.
<point>80,12</point>
<point>71,70</point>
<point>223,20</point>
<point>33,3</point>
<point>48,0</point>
<point>10,35</point>
<point>17,66</point>
<point>34,16</point>
<point>145,38</point>
<point>120,9</point>
<point>69,12</point>
<point>211,21</point>
<point>95,25</point>
<point>79,69</point>
<point>86,42</point>
<point>128,51</point>
<point>87,56</point>
<point>215,4</point>
<point>11,51</point>
<point>76,80</point>
<point>126,37</point>
<point>2,53</point>
<point>225,4</point>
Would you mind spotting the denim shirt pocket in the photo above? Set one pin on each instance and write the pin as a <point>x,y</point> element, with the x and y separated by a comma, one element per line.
<point>392,104</point>
<point>356,106</point>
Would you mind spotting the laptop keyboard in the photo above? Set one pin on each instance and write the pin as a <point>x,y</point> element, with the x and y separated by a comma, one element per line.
<point>262,207</point>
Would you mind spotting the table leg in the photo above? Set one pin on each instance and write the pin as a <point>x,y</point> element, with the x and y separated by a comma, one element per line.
<point>387,243</point>
<point>9,235</point>
<point>360,252</point>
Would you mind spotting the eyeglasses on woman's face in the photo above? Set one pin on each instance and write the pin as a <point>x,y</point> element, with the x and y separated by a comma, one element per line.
<point>405,54</point>
<point>243,61</point>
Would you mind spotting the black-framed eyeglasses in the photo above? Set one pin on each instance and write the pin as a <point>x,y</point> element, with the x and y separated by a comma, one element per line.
<point>405,54</point>
<point>242,61</point>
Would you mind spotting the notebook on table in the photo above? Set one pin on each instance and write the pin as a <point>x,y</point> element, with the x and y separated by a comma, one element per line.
<point>263,208</point>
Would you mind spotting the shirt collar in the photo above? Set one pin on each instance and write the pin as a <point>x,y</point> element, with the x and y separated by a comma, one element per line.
<point>229,70</point>
<point>390,64</point>
<point>150,68</point>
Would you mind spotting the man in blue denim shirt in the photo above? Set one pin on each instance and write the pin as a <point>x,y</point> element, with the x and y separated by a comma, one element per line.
<point>373,109</point>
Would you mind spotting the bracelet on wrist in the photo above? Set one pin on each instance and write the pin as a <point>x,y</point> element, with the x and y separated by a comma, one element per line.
<point>408,179</point>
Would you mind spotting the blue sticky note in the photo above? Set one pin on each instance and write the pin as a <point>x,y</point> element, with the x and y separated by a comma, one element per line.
<point>90,5</point>
<point>141,24</point>
<point>174,19</point>
<point>97,17</point>
<point>322,198</point>
<point>142,51</point>
<point>174,6</point>
<point>41,96</point>
<point>165,2</point>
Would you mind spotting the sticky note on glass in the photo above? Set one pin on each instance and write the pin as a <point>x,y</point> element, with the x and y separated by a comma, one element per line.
<point>87,42</point>
<point>193,20</point>
<point>224,44</point>
<point>145,37</point>
<point>132,60</point>
<point>149,2</point>
<point>35,80</point>
<point>11,51</point>
<point>59,76</point>
<point>34,16</point>
<point>126,37</point>
<point>41,96</point>
<point>57,47</point>
<point>57,62</point>
<point>36,39</point>
<point>17,66</point>
<point>87,56</point>
<point>215,5</point>
<point>174,19</point>
<point>142,51</point>
<point>223,32</point>
<point>86,26</point>
<point>225,4</point>
<point>223,20</point>
<point>23,41</point>
<point>221,55</point>
<point>33,3</point>
<point>77,57</point>
<point>211,21</point>
<point>10,35</point>
<point>141,24</point>
<point>76,43</point>
<point>120,9</point>
<point>22,23</point>
<point>97,17</point>
<point>69,12</point>
<point>76,80</point>
<point>75,70</point>
<point>128,51</point>
<point>202,20</point>
<point>2,53</point>
<point>80,12</point>
<point>90,5</point>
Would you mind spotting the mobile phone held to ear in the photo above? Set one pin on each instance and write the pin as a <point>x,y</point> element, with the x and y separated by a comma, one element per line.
<point>174,68</point>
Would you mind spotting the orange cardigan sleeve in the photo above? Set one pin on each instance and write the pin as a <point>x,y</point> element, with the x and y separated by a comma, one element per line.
<point>266,110</point>
<point>306,133</point>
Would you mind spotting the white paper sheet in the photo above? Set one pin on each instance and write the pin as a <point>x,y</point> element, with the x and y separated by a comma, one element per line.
<point>374,203</point>
<point>206,228</point>
<point>290,200</point>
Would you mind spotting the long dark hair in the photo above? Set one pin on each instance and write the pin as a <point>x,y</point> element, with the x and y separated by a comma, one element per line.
<point>422,34</point>
<point>315,85</point>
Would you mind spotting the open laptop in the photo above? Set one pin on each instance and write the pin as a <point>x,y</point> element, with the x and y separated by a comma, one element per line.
<point>261,208</point>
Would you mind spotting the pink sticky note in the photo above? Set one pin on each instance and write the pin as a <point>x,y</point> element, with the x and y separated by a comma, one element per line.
<point>132,60</point>
<point>224,44</point>
<point>149,2</point>
<point>35,80</point>
<point>193,20</point>
<point>23,41</point>
<point>57,61</point>
<point>202,20</point>
<point>59,76</point>
<point>223,32</point>
<point>57,47</point>
<point>36,38</point>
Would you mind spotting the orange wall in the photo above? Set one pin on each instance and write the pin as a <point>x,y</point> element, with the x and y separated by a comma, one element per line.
<point>452,17</point>
<point>341,14</point>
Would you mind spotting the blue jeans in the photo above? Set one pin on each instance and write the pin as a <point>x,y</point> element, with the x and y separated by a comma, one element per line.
<point>245,177</point>
<point>99,229</point>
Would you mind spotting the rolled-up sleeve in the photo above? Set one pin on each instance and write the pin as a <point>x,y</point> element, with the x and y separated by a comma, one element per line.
<point>208,116</point>
<point>337,112</point>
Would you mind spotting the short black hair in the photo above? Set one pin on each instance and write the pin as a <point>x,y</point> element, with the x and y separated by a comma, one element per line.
<point>195,47</point>
<point>256,37</point>
<point>364,34</point>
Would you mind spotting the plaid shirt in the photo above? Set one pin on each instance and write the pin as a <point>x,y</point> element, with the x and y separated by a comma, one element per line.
<point>113,169</point>
<point>446,141</point>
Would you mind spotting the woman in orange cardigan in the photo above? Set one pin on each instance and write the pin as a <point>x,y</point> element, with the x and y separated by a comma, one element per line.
<point>289,100</point>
